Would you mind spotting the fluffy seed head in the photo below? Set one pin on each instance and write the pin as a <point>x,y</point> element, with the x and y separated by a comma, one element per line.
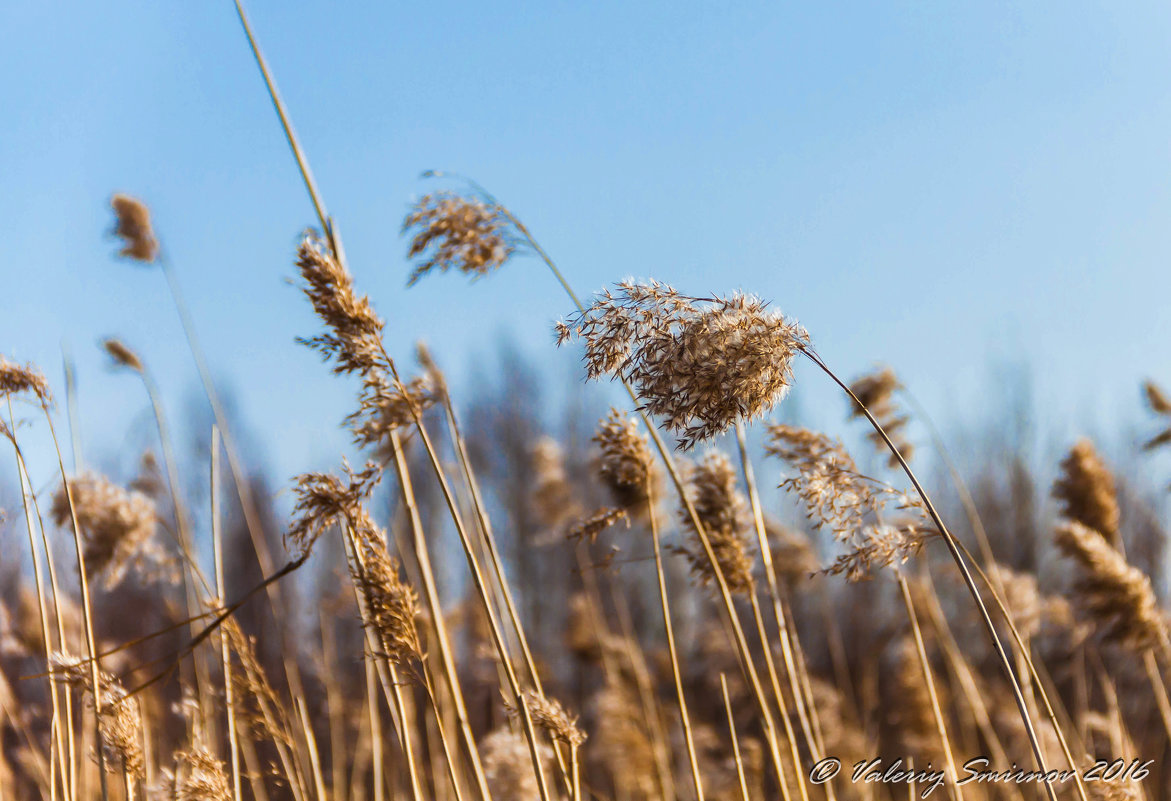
<point>881,525</point>
<point>721,509</point>
<point>132,224</point>
<point>1116,596</point>
<point>1160,404</point>
<point>625,464</point>
<point>15,379</point>
<point>200,777</point>
<point>700,364</point>
<point>392,607</point>
<point>876,392</point>
<point>354,333</point>
<point>464,233</point>
<point>548,714</point>
<point>122,355</point>
<point>120,719</point>
<point>116,524</point>
<point>1085,491</point>
<point>508,765</point>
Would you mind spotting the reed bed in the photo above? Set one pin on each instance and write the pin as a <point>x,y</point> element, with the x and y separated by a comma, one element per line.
<point>688,596</point>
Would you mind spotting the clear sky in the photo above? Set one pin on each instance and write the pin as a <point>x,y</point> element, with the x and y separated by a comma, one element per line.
<point>936,186</point>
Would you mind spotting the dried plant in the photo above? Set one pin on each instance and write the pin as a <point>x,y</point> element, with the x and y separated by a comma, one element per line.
<point>699,364</point>
<point>625,463</point>
<point>881,526</point>
<point>132,224</point>
<point>120,718</point>
<point>508,766</point>
<point>199,776</point>
<point>324,499</point>
<point>590,527</point>
<point>723,511</point>
<point>391,606</point>
<point>1085,491</point>
<point>122,355</point>
<point>550,715</point>
<point>451,231</point>
<point>16,379</point>
<point>876,392</point>
<point>1160,404</point>
<point>116,525</point>
<point>1116,596</point>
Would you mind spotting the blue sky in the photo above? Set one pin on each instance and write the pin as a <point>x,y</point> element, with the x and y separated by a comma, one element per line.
<point>937,186</point>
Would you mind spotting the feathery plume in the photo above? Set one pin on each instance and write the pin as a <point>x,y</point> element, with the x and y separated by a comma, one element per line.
<point>324,500</point>
<point>199,776</point>
<point>464,233</point>
<point>1116,596</point>
<point>132,224</point>
<point>548,714</point>
<point>392,607</point>
<point>15,379</point>
<point>1160,404</point>
<point>1085,491</point>
<point>508,766</point>
<point>120,719</point>
<point>700,364</point>
<point>625,464</point>
<point>711,487</point>
<point>881,525</point>
<point>876,392</point>
<point>122,355</point>
<point>116,524</point>
<point>590,527</point>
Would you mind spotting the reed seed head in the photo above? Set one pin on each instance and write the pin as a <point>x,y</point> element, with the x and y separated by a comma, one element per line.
<point>722,511</point>
<point>120,719</point>
<point>451,231</point>
<point>354,338</point>
<point>700,364</point>
<point>122,355</point>
<point>132,224</point>
<point>392,607</point>
<point>1160,404</point>
<point>16,379</point>
<point>1085,491</point>
<point>508,765</point>
<point>116,524</point>
<point>200,777</point>
<point>625,464</point>
<point>876,392</point>
<point>882,526</point>
<point>548,714</point>
<point>1117,597</point>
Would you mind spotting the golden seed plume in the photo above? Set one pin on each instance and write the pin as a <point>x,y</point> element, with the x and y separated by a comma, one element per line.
<point>116,524</point>
<point>1085,491</point>
<point>120,721</point>
<point>590,527</point>
<point>876,392</point>
<point>1117,597</point>
<point>392,607</point>
<point>323,500</point>
<point>548,714</point>
<point>722,509</point>
<point>122,355</point>
<point>199,776</point>
<point>625,463</point>
<point>451,231</point>
<point>1160,404</point>
<point>132,224</point>
<point>508,766</point>
<point>699,364</point>
<point>881,525</point>
<point>16,379</point>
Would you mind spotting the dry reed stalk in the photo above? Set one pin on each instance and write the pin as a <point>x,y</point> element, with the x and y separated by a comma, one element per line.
<point>632,450</point>
<point>925,666</point>
<point>58,740</point>
<point>217,542</point>
<point>735,741</point>
<point>1048,693</point>
<point>792,668</point>
<point>489,540</point>
<point>1085,492</point>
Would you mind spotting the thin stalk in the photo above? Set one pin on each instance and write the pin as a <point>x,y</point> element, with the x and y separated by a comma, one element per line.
<point>431,594</point>
<point>676,674</point>
<point>954,549</point>
<point>87,611</point>
<point>217,544</point>
<point>936,711</point>
<point>735,742</point>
